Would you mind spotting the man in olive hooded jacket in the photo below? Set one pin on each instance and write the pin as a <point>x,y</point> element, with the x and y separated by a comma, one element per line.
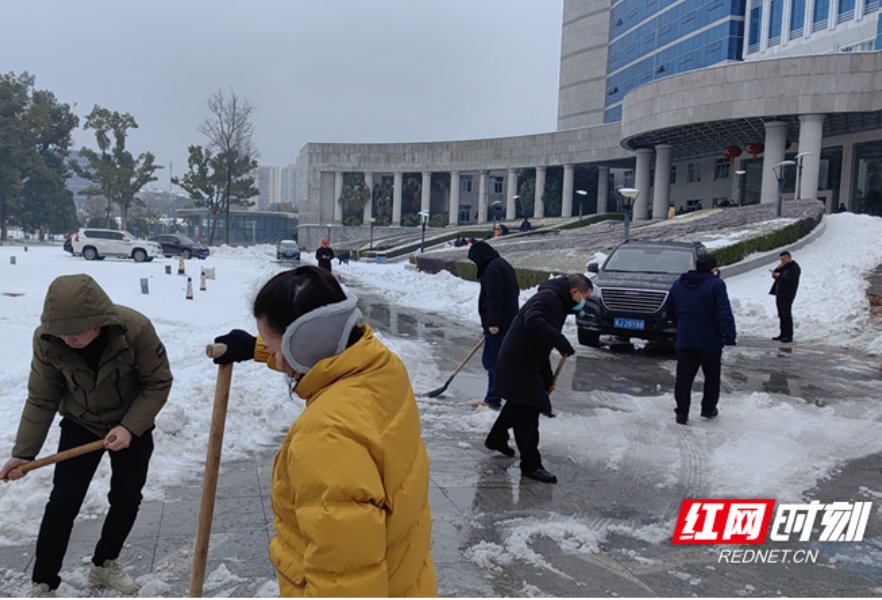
<point>105,371</point>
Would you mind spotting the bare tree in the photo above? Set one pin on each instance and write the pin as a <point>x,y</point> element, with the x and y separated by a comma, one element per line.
<point>229,131</point>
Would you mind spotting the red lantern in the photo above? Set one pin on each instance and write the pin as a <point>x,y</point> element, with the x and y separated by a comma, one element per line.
<point>754,148</point>
<point>732,152</point>
<point>787,145</point>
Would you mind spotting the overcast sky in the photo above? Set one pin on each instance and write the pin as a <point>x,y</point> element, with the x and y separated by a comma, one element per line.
<point>316,71</point>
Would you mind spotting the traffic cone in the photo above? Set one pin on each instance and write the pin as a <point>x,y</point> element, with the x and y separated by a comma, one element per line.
<point>202,287</point>
<point>181,266</point>
<point>189,288</point>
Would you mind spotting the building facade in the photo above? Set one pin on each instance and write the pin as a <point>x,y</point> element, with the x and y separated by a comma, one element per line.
<point>692,102</point>
<point>288,185</point>
<point>266,180</point>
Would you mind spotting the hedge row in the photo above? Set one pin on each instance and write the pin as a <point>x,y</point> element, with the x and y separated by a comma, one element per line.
<point>586,221</point>
<point>729,255</point>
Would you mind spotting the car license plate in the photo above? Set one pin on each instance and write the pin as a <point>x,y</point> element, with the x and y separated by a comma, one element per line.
<point>629,323</point>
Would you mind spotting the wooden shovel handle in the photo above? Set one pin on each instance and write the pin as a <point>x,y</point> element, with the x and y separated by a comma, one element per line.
<point>66,454</point>
<point>215,350</point>
<point>559,368</point>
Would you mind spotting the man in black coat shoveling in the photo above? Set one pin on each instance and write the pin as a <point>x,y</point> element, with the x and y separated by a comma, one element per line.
<point>497,305</point>
<point>523,373</point>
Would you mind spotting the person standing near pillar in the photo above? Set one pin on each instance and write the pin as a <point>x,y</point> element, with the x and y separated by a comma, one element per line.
<point>497,306</point>
<point>786,276</point>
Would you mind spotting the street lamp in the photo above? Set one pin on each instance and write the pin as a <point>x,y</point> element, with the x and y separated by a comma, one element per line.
<point>328,225</point>
<point>496,204</point>
<point>371,221</point>
<point>628,195</point>
<point>778,170</point>
<point>740,175</point>
<point>582,193</point>
<point>424,218</point>
<point>798,159</point>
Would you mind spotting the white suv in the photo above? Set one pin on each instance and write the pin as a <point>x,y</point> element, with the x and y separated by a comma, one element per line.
<point>96,244</point>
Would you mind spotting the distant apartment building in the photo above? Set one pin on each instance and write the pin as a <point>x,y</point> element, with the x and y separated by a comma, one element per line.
<point>289,185</point>
<point>77,184</point>
<point>266,179</point>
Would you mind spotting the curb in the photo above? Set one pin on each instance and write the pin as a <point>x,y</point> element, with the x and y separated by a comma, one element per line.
<point>749,264</point>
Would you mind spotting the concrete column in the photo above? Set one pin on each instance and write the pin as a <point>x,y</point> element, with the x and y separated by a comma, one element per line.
<point>811,130</point>
<point>482,197</point>
<point>426,190</point>
<point>766,23</point>
<point>643,182</point>
<point>453,211</point>
<point>602,189</point>
<point>511,208</point>
<point>539,203</point>
<point>566,208</point>
<point>845,187</point>
<point>776,139</point>
<point>338,191</point>
<point>809,13</point>
<point>396,197</point>
<point>859,10</point>
<point>785,22</point>
<point>661,192</point>
<point>369,205</point>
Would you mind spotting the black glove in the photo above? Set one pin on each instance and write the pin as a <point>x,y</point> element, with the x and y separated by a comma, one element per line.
<point>566,349</point>
<point>240,346</point>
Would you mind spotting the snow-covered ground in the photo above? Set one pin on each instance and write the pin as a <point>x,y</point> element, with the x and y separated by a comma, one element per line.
<point>831,309</point>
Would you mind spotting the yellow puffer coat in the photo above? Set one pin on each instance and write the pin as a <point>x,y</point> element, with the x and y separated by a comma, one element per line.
<point>351,483</point>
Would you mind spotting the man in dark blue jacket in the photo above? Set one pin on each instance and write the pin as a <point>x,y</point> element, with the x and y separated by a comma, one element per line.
<point>524,376</point>
<point>497,305</point>
<point>699,306</point>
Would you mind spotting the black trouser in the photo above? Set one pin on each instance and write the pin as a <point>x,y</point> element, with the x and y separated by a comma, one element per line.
<point>70,484</point>
<point>688,361</point>
<point>785,316</point>
<point>525,422</point>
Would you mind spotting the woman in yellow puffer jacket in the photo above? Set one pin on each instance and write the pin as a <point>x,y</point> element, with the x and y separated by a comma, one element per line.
<point>350,490</point>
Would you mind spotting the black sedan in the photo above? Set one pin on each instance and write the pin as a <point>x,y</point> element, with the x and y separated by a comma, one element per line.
<point>174,244</point>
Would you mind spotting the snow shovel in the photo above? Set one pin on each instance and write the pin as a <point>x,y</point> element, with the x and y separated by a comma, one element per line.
<point>442,389</point>
<point>212,467</point>
<point>64,455</point>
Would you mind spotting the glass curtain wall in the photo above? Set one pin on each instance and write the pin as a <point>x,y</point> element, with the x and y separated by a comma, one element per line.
<point>867,188</point>
<point>797,19</point>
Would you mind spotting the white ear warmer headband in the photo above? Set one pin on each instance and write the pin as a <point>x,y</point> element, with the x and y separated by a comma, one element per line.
<point>320,334</point>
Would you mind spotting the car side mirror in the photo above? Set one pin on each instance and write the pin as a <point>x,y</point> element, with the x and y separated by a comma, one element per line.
<point>593,267</point>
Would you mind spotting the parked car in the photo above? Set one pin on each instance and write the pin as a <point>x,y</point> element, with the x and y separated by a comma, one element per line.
<point>631,290</point>
<point>174,244</point>
<point>96,244</point>
<point>288,250</point>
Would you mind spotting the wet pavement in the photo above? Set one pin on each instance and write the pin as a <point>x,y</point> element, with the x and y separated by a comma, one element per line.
<point>601,531</point>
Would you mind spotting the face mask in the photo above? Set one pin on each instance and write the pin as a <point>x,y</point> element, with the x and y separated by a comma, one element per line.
<point>580,305</point>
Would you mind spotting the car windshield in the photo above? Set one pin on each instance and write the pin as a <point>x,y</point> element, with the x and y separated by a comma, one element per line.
<point>288,246</point>
<point>129,236</point>
<point>650,260</point>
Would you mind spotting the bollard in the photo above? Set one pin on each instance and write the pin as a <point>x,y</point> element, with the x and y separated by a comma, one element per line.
<point>25,248</point>
<point>145,285</point>
<point>202,287</point>
<point>168,269</point>
<point>189,288</point>
<point>11,260</point>
<point>181,266</point>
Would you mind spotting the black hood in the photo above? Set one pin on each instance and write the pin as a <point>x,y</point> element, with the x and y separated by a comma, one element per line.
<point>481,253</point>
<point>561,286</point>
<point>692,280</point>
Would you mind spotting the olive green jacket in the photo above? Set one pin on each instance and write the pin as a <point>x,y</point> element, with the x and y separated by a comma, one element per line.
<point>133,378</point>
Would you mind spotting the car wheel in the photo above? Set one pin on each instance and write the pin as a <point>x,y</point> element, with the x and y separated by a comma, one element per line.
<point>139,255</point>
<point>186,254</point>
<point>89,253</point>
<point>589,338</point>
<point>148,259</point>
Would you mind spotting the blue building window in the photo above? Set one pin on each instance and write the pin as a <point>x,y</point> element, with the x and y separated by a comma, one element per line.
<point>846,10</point>
<point>797,19</point>
<point>879,35</point>
<point>822,12</point>
<point>756,23</point>
<point>776,15</point>
<point>871,6</point>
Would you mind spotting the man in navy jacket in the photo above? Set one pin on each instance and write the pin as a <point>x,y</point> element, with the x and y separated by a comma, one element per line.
<point>699,306</point>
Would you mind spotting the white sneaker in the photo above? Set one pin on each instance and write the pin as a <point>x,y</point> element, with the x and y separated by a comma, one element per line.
<point>113,577</point>
<point>40,590</point>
